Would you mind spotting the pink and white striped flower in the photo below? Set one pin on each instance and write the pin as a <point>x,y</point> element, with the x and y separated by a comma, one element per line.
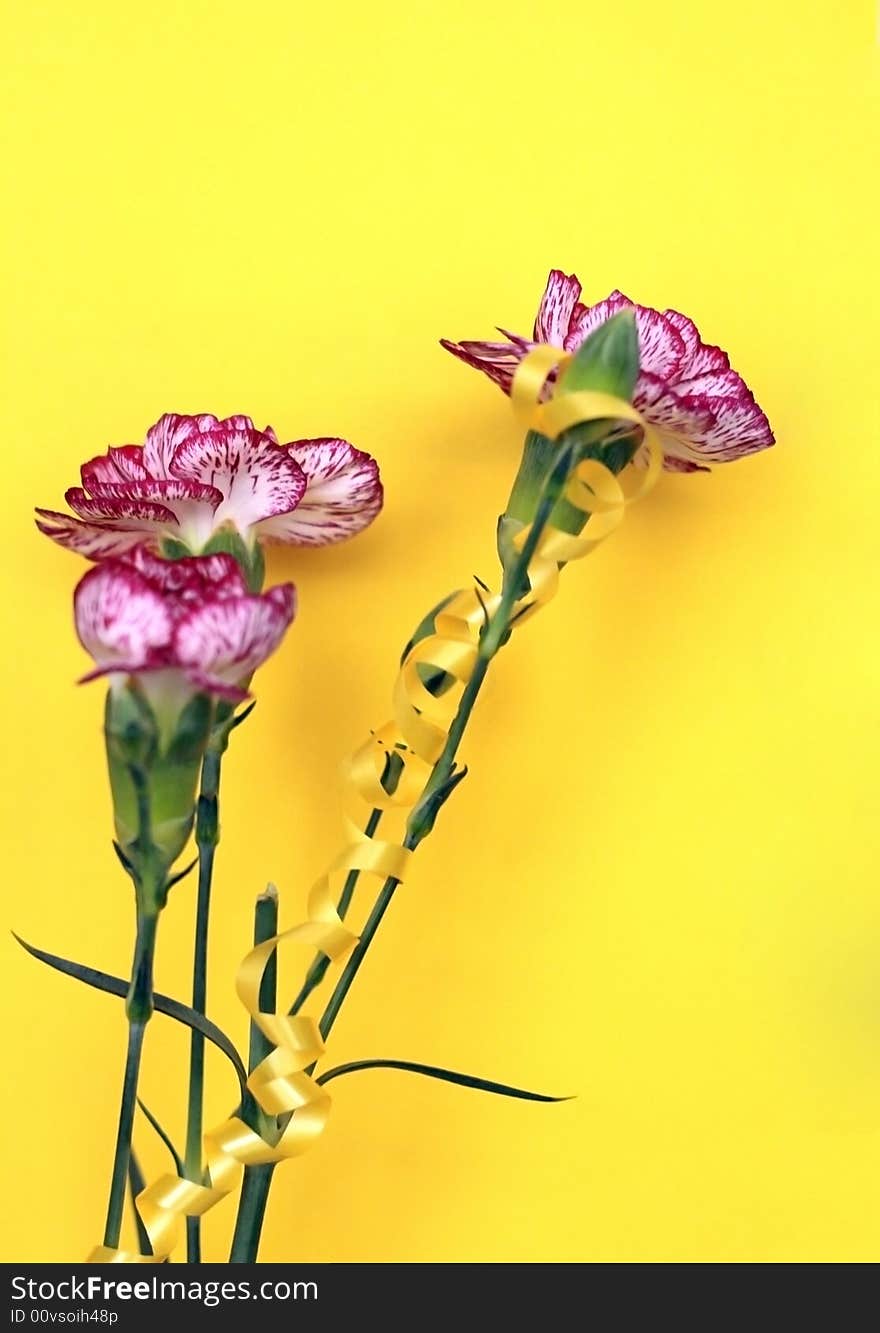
<point>702,409</point>
<point>179,626</point>
<point>196,475</point>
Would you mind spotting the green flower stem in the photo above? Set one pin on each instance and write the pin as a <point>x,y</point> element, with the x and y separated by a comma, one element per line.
<point>251,1212</point>
<point>422,816</point>
<point>257,1179</point>
<point>207,837</point>
<point>138,1007</point>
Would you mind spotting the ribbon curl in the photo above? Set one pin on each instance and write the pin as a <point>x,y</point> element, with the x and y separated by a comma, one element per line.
<point>417,734</point>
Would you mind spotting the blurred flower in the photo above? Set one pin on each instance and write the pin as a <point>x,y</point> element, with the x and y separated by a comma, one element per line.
<point>179,626</point>
<point>196,476</point>
<point>703,410</point>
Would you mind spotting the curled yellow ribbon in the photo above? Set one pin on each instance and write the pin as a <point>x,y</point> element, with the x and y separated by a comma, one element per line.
<point>417,735</point>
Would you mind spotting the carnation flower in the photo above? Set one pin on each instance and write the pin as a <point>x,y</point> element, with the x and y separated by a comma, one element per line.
<point>179,626</point>
<point>702,409</point>
<point>196,476</point>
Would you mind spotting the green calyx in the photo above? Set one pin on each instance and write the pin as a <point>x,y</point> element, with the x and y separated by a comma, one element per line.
<point>249,557</point>
<point>607,362</point>
<point>154,772</point>
<point>225,541</point>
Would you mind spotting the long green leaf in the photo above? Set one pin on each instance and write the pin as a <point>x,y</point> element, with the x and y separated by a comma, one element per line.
<point>447,1076</point>
<point>166,1138</point>
<point>163,1003</point>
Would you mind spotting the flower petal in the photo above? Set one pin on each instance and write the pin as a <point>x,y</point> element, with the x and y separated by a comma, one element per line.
<point>715,384</point>
<point>557,307</point>
<point>717,423</point>
<point>92,540</point>
<point>497,360</point>
<point>170,431</point>
<point>677,420</point>
<point>121,621</point>
<point>191,503</point>
<point>220,644</point>
<point>257,478</point>
<point>117,507</point>
<point>661,346</point>
<point>673,464</point>
<point>118,465</point>
<point>739,428</point>
<point>190,581</point>
<point>699,357</point>
<point>343,494</point>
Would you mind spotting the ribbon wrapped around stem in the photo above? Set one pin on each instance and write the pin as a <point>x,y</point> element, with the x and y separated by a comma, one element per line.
<point>417,734</point>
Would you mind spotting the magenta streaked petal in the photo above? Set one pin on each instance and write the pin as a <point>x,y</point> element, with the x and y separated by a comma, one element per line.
<point>715,384</point>
<point>207,684</point>
<point>170,431</point>
<point>672,464</point>
<point>123,464</point>
<point>121,621</point>
<point>113,507</point>
<point>117,668</point>
<point>258,479</point>
<point>704,428</point>
<point>661,346</point>
<point>91,540</point>
<point>161,491</point>
<point>283,598</point>
<point>191,503</point>
<point>497,360</point>
<point>739,428</point>
<point>699,357</point>
<point>526,344</point>
<point>343,494</point>
<point>191,580</point>
<point>221,643</point>
<point>662,407</point>
<point>679,421</point>
<point>557,306</point>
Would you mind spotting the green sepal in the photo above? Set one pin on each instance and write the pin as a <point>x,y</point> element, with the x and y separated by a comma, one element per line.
<point>192,731</point>
<point>172,548</point>
<point>425,813</point>
<point>228,542</point>
<point>130,727</point>
<point>607,362</point>
<point>162,776</point>
<point>225,722</point>
<point>249,556</point>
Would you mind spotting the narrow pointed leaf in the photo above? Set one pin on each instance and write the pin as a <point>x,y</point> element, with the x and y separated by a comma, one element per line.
<point>166,1139</point>
<point>446,1075</point>
<point>180,874</point>
<point>181,1013</point>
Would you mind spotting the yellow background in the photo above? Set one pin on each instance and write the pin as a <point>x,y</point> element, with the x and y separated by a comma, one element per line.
<point>657,889</point>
